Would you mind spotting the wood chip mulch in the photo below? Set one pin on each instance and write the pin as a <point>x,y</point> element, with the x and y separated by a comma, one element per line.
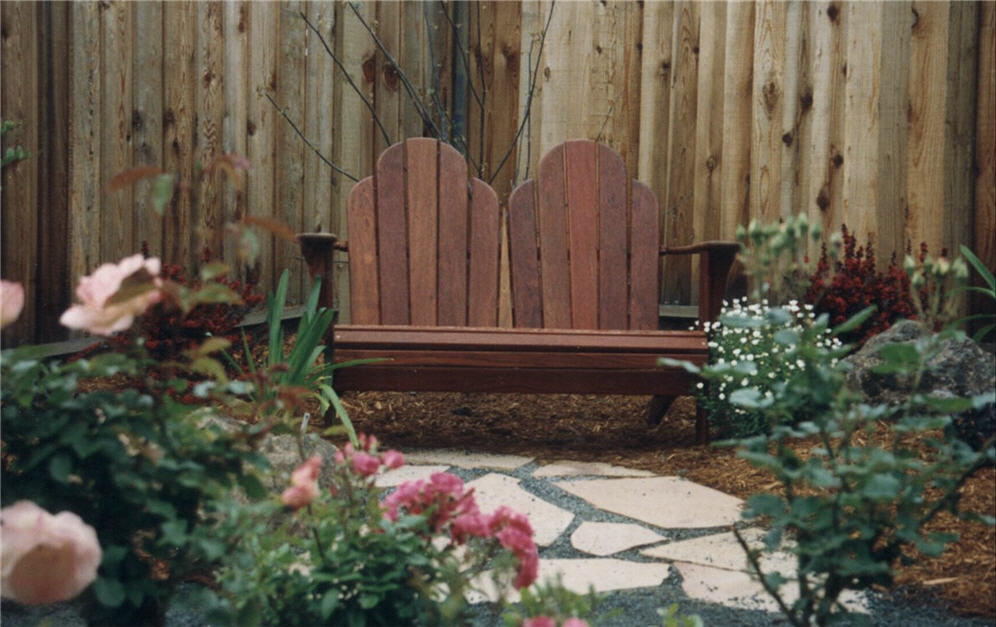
<point>613,430</point>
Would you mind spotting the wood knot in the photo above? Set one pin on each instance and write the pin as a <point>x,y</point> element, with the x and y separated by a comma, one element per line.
<point>770,95</point>
<point>169,118</point>
<point>711,163</point>
<point>806,100</point>
<point>833,12</point>
<point>137,120</point>
<point>391,77</point>
<point>823,198</point>
<point>250,128</point>
<point>546,72</point>
<point>837,160</point>
<point>369,69</point>
<point>787,139</point>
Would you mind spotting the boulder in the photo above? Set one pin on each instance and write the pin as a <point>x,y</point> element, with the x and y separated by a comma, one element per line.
<point>960,367</point>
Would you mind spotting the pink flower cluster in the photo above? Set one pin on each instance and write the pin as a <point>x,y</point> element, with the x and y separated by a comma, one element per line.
<point>114,295</point>
<point>304,484</point>
<point>447,504</point>
<point>546,621</point>
<point>366,461</point>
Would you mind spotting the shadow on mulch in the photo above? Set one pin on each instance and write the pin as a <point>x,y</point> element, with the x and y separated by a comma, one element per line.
<point>613,430</point>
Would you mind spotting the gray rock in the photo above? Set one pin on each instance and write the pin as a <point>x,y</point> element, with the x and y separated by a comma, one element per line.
<point>959,368</point>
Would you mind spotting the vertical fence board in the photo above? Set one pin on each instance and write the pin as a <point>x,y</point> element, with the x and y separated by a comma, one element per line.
<point>53,175</point>
<point>236,23</point>
<point>737,112</point>
<point>985,134</point>
<point>178,127</point>
<point>677,202</point>
<point>147,118</point>
<point>319,111</point>
<point>533,17</point>
<point>387,84</point>
<point>210,65</point>
<point>792,82</point>
<point>289,167</point>
<point>117,219</point>
<point>769,98</point>
<point>261,123</point>
<point>960,125</point>
<point>414,60</point>
<point>84,137</point>
<point>709,124</point>
<point>20,180</point>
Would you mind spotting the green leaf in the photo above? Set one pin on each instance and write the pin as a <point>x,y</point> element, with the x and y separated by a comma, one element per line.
<point>881,487</point>
<point>174,532</point>
<point>751,398</point>
<point>109,592</point>
<point>59,467</point>
<point>253,487</point>
<point>679,363</point>
<point>330,600</point>
<point>162,192</point>
<point>950,405</point>
<point>213,270</point>
<point>980,267</point>
<point>854,321</point>
<point>786,337</point>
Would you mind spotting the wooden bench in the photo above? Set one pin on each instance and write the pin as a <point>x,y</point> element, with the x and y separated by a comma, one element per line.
<point>424,247</point>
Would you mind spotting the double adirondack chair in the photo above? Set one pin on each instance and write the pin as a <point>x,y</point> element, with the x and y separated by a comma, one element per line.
<point>424,250</point>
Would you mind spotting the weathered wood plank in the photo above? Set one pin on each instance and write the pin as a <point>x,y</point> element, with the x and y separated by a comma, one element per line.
<point>413,57</point>
<point>643,247</point>
<point>392,237</point>
<point>84,140</point>
<point>789,192</point>
<point>117,219</point>
<point>985,146</point>
<point>20,57</point>
<point>209,107</point>
<point>261,123</point>
<point>613,274</point>
<point>735,163</point>
<point>580,182</point>
<point>453,246</point>
<point>552,220</point>
<point>422,162</point>
<point>484,256</point>
<point>289,166</point>
<point>527,305</point>
<point>768,88</point>
<point>147,117</point>
<point>655,94</point>
<point>235,83</point>
<point>318,115</point>
<point>178,129</point>
<point>708,172</point>
<point>388,90</point>
<point>361,212</point>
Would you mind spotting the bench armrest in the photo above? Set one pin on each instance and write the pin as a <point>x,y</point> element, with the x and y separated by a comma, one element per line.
<point>715,260</point>
<point>318,250</point>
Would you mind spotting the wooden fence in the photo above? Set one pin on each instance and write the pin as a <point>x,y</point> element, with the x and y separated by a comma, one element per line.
<point>875,114</point>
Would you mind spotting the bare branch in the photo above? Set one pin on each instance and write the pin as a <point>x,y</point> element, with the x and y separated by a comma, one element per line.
<point>529,99</point>
<point>305,139</point>
<point>479,55</point>
<point>349,79</point>
<point>463,51</point>
<point>448,131</point>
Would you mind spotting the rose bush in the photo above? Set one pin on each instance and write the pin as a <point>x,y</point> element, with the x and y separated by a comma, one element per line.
<point>46,558</point>
<point>113,295</point>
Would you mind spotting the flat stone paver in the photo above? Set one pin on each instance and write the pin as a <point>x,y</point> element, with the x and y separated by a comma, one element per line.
<point>722,550</point>
<point>667,502</point>
<point>466,459</point>
<point>548,521</point>
<point>738,589</point>
<point>566,468</point>
<point>407,472</point>
<point>604,538</point>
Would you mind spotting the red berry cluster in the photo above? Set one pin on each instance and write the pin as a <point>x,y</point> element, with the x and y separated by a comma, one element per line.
<point>844,287</point>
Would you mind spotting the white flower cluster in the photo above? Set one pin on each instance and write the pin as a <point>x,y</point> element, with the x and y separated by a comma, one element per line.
<point>755,346</point>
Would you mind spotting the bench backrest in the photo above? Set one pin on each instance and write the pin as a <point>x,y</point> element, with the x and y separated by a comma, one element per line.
<point>583,243</point>
<point>423,241</point>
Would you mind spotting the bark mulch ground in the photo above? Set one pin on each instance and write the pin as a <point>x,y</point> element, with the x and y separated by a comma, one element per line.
<point>613,430</point>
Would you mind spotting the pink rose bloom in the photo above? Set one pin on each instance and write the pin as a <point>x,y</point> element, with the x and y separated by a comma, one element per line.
<point>393,459</point>
<point>575,622</point>
<point>11,302</point>
<point>46,558</point>
<point>540,621</point>
<point>365,464</point>
<point>304,484</point>
<point>99,312</point>
<point>471,524</point>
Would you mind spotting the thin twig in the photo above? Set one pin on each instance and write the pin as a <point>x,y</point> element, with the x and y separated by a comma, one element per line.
<point>605,121</point>
<point>479,55</point>
<point>409,88</point>
<point>529,99</point>
<point>349,79</point>
<point>305,139</point>
<point>756,565</point>
<point>462,50</point>
<point>448,134</point>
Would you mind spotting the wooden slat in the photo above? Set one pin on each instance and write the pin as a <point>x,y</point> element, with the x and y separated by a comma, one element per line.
<point>737,113</point>
<point>985,147</point>
<point>117,219</point>
<point>289,175</point>
<point>20,57</point>
<point>392,236</point>
<point>960,134</point>
<point>527,305</point>
<point>387,85</point>
<point>668,382</point>
<point>318,114</point>
<point>422,161</point>
<point>655,94</point>
<point>84,136</point>
<point>509,359</point>
<point>452,287</point>
<point>54,288</point>
<point>769,64</point>
<point>390,337</point>
<point>502,38</point>
<point>644,245</point>
<point>483,275</point>
<point>413,56</point>
<point>582,210</point>
<point>147,120</point>
<point>707,200</point>
<point>362,215</point>
<point>794,36</point>
<point>554,269</point>
<point>234,137</point>
<point>178,128</point>
<point>612,240</point>
<point>533,14</point>
<point>260,126</point>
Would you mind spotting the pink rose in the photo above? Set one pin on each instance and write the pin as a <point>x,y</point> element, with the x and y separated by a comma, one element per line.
<point>471,524</point>
<point>365,464</point>
<point>393,459</point>
<point>540,621</point>
<point>575,622</point>
<point>304,484</point>
<point>46,558</point>
<point>11,302</point>
<point>105,308</point>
